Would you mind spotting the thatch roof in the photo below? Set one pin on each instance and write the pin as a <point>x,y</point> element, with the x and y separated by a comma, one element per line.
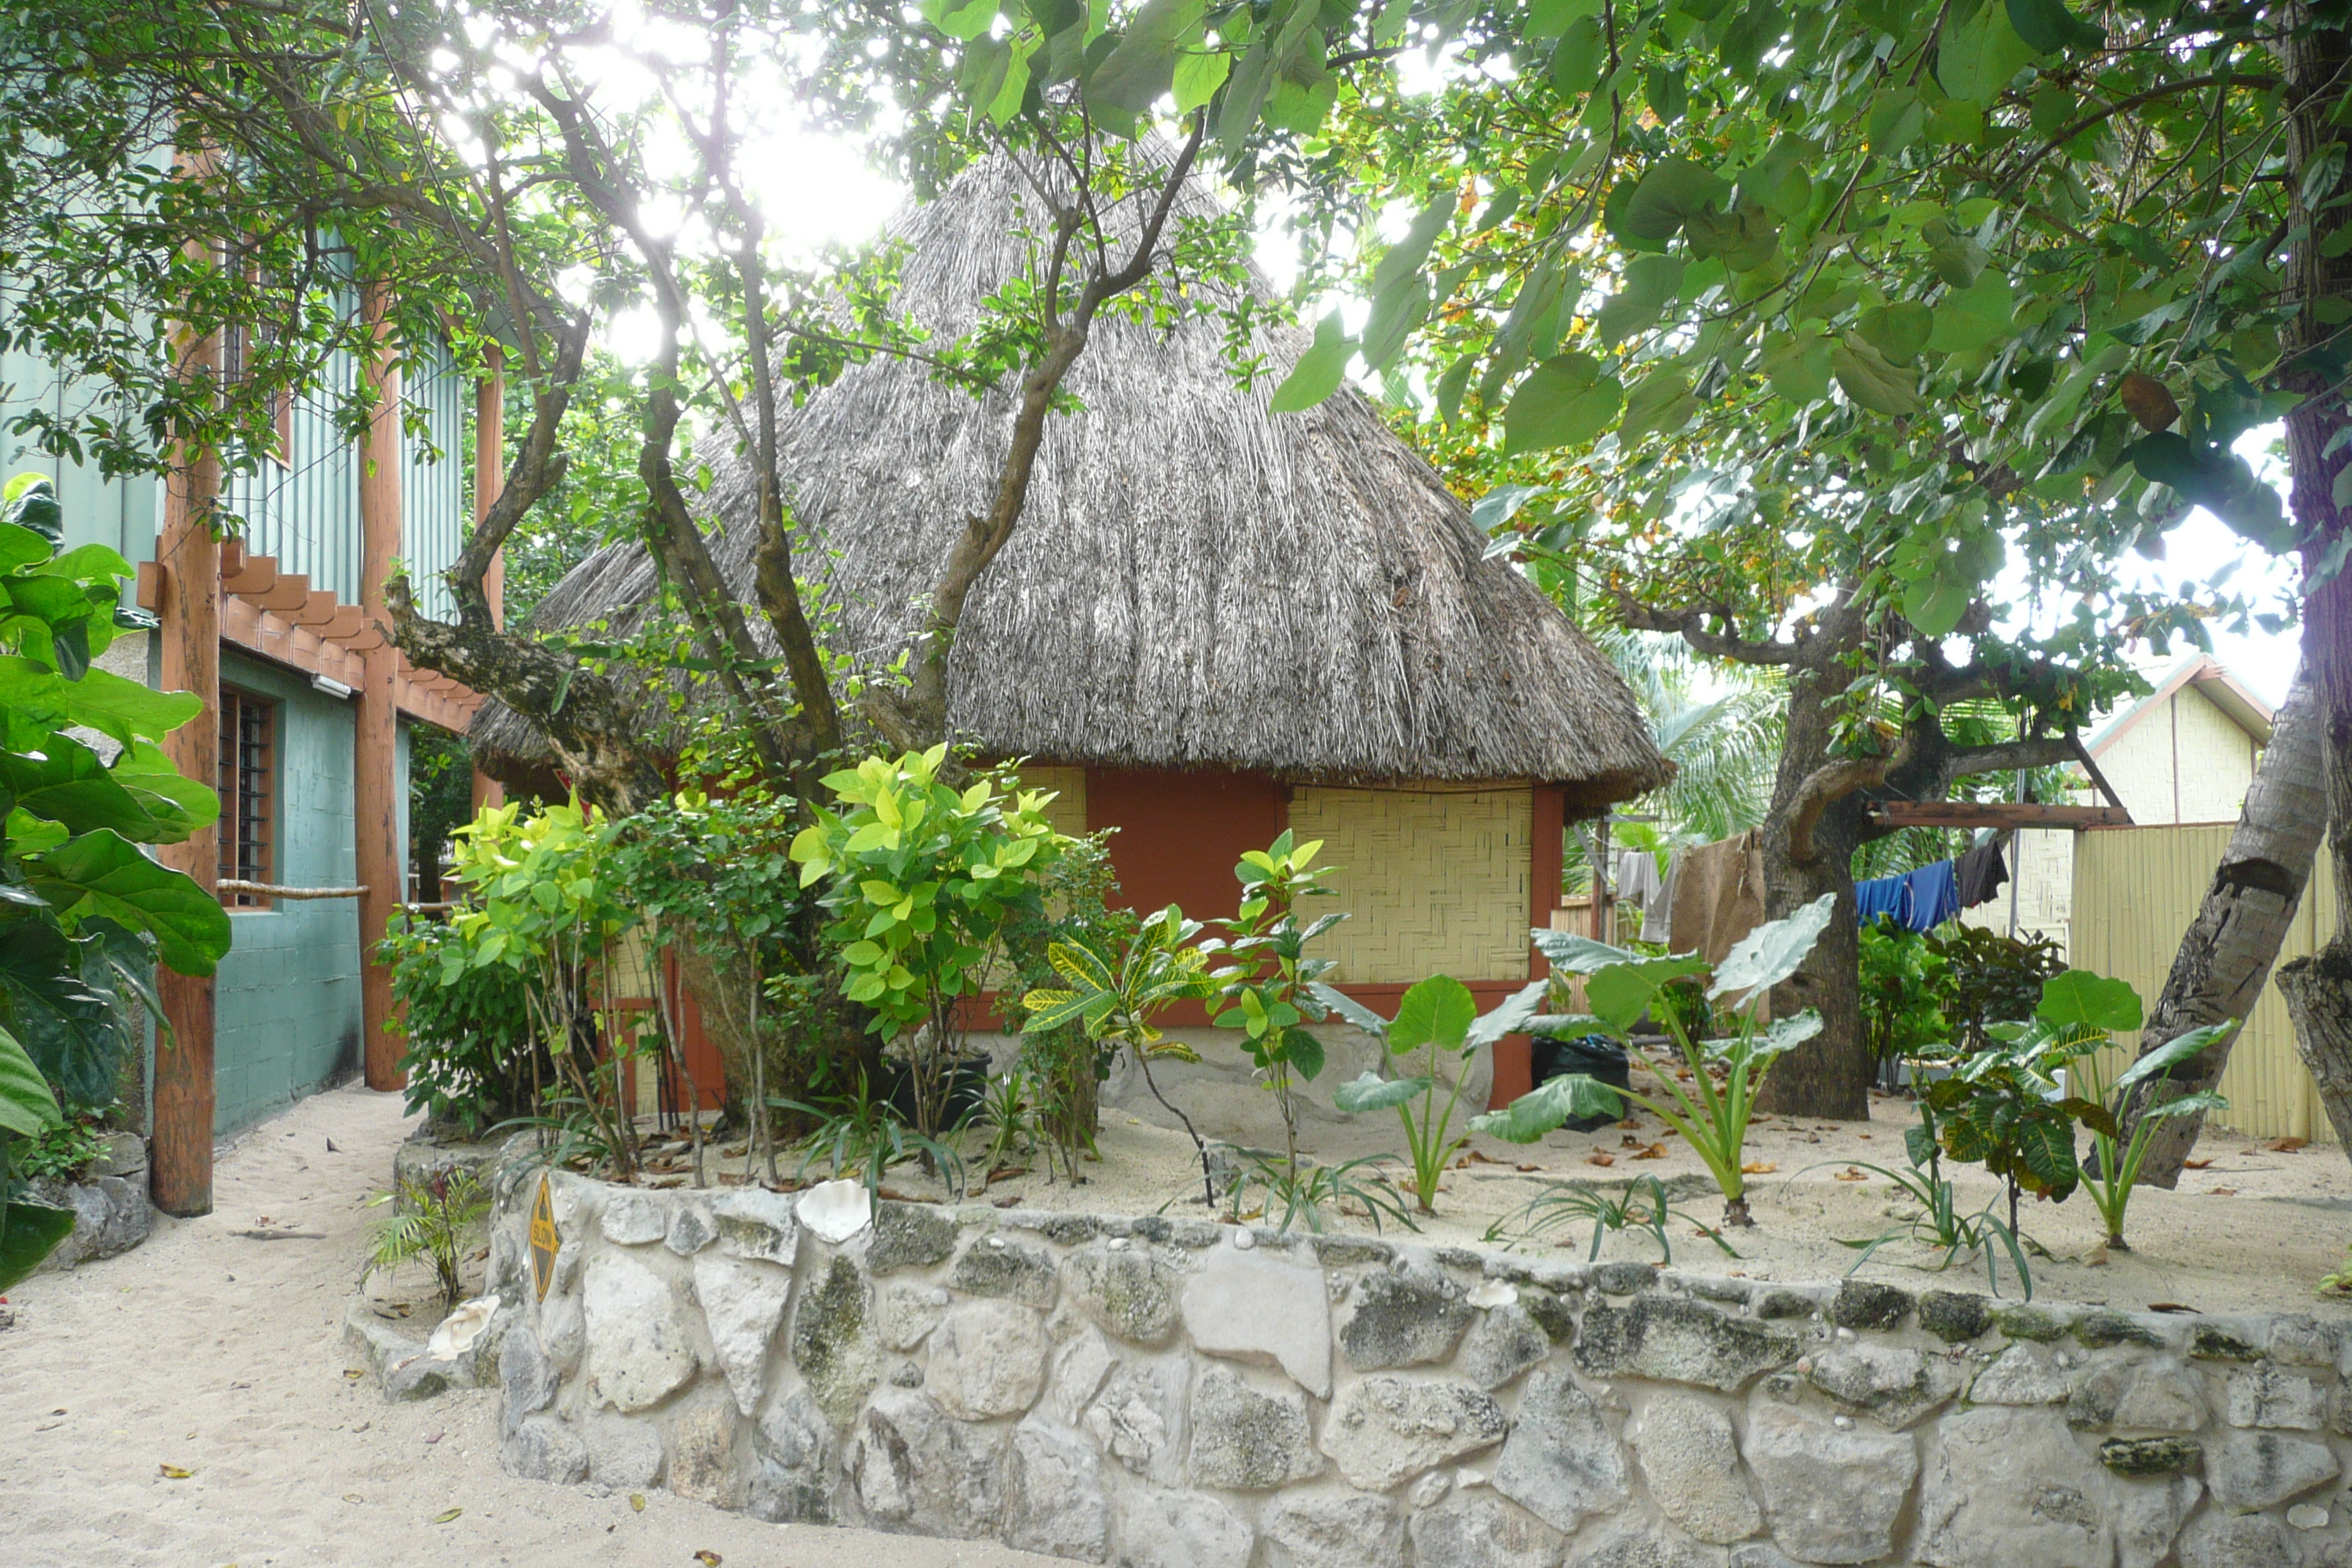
<point>1195,583</point>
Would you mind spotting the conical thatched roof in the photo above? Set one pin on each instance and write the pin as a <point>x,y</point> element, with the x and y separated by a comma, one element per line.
<point>1195,583</point>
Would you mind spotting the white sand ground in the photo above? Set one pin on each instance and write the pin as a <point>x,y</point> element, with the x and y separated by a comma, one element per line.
<point>222,1355</point>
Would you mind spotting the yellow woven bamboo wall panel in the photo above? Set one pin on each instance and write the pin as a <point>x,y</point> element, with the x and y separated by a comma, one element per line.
<point>2136,891</point>
<point>1433,883</point>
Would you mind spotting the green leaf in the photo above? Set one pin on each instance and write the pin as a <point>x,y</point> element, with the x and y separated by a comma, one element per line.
<point>962,20</point>
<point>1199,73</point>
<point>1898,330</point>
<point>1509,1016</point>
<point>1573,954</point>
<point>100,699</point>
<point>1799,370</point>
<point>1142,64</point>
<point>1783,1035</point>
<point>1869,381</point>
<point>2173,1052</point>
<point>1369,1091</point>
<point>1348,1007</point>
<point>1577,58</point>
<point>55,990</point>
<point>27,1108</point>
<point>21,547</point>
<point>2045,1156</point>
<point>180,804</point>
<point>1771,953</point>
<point>65,781</point>
<point>1439,1011</point>
<point>101,875</point>
<point>1661,404</point>
<point>2078,997</point>
<point>1303,1051</point>
<point>1564,402</point>
<point>1619,994</point>
<point>1971,318</point>
<point>1651,283</point>
<point>1977,59</point>
<point>29,1232</point>
<point>1743,239</point>
<point>1547,1106</point>
<point>1316,374</point>
<point>1670,193</point>
<point>2050,27</point>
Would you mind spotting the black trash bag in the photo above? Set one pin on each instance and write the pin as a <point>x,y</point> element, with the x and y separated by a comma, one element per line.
<point>1597,1056</point>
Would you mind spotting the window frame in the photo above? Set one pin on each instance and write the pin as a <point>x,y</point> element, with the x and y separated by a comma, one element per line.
<point>241,711</point>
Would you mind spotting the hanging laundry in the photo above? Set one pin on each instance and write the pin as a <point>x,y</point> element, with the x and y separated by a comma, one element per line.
<point>1979,874</point>
<point>1639,884</point>
<point>1935,897</point>
<point>1719,895</point>
<point>1882,896</point>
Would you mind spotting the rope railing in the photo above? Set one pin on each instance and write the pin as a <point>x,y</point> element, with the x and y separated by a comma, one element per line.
<point>272,891</point>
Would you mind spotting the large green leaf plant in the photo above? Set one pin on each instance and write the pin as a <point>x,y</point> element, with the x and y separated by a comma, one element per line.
<point>84,785</point>
<point>1622,986</point>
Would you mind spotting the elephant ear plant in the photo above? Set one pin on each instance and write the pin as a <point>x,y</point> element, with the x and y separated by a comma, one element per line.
<point>1621,986</point>
<point>2012,1106</point>
<point>1437,1018</point>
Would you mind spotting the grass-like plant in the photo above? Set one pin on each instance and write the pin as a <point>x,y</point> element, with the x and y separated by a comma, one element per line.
<point>1947,1229</point>
<point>435,1222</point>
<point>1621,986</point>
<point>859,1136</point>
<point>1311,1192</point>
<point>1565,1204</point>
<point>1437,1018</point>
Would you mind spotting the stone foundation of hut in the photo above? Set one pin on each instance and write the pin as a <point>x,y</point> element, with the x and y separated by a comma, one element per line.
<point>1169,1393</point>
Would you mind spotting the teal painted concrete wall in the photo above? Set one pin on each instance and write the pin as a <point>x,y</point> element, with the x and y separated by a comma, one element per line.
<point>287,999</point>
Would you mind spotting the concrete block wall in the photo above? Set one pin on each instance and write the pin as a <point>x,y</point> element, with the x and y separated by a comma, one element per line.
<point>1178,1393</point>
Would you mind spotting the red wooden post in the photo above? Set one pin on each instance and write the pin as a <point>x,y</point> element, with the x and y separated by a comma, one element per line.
<point>489,480</point>
<point>1513,1069</point>
<point>181,1156</point>
<point>375,751</point>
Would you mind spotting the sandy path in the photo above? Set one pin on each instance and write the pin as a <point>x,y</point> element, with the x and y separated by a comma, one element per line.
<point>223,1355</point>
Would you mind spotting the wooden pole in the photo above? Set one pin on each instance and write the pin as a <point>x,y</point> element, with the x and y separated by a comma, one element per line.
<point>375,802</point>
<point>180,1167</point>
<point>489,480</point>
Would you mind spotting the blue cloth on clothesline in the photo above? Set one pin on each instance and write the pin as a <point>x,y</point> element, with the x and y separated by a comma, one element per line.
<point>1935,897</point>
<point>1882,896</point>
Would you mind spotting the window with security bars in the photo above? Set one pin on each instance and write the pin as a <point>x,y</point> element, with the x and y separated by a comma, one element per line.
<point>249,760</point>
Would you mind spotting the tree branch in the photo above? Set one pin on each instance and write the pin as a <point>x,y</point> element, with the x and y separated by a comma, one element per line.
<point>1690,625</point>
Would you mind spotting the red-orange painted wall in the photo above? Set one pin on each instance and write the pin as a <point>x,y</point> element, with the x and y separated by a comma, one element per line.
<point>1180,835</point>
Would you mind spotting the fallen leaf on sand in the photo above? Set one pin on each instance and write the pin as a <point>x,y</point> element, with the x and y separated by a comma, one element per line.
<point>446,1518</point>
<point>174,1472</point>
<point>1851,1174</point>
<point>1629,1141</point>
<point>2096,1258</point>
<point>2286,1145</point>
<point>1600,1159</point>
<point>1630,1121</point>
<point>708,1558</point>
<point>437,1436</point>
<point>2169,1307</point>
<point>1863,1136</point>
<point>637,1501</point>
<point>1654,1152</point>
<point>1010,1200</point>
<point>2222,1192</point>
<point>1760,1168</point>
<point>353,1497</point>
<point>2196,1165</point>
<point>354,1371</point>
<point>1525,1168</point>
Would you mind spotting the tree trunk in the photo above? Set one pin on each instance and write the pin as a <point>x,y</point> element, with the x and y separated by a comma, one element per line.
<point>2318,990</point>
<point>2226,956</point>
<point>1828,1076</point>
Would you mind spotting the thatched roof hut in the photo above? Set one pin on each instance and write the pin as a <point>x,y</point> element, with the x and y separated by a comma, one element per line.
<point>1237,617</point>
<point>1195,585</point>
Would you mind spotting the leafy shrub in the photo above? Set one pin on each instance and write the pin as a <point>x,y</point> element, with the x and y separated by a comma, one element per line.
<point>1989,977</point>
<point>63,1151</point>
<point>473,1059</point>
<point>919,879</point>
<point>1905,979</point>
<point>435,1221</point>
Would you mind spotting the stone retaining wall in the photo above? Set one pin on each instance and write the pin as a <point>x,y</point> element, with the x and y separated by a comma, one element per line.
<point>1175,1394</point>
